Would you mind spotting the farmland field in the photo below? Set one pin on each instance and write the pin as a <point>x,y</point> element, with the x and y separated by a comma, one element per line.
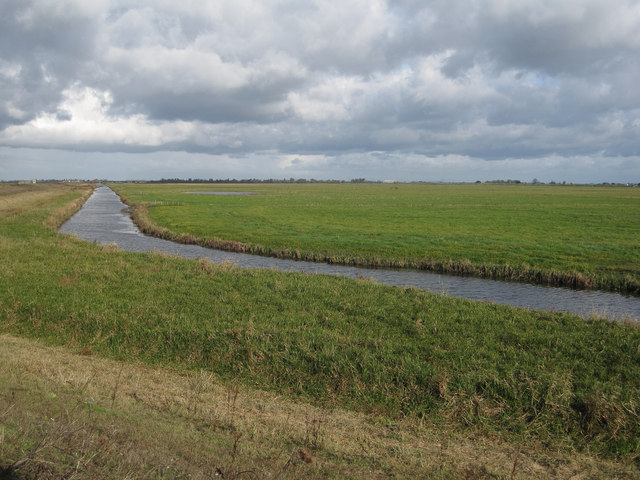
<point>118,361</point>
<point>581,236</point>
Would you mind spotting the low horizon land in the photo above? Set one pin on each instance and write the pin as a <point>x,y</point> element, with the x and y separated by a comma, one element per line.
<point>634,183</point>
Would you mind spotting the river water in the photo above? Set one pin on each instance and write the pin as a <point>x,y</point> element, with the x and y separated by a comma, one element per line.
<point>103,219</point>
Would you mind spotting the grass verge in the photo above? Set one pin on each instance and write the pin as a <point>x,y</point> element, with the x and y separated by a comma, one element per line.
<point>70,414</point>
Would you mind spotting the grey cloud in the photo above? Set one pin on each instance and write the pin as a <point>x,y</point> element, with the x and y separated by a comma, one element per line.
<point>45,46</point>
<point>208,108</point>
<point>487,80</point>
<point>460,62</point>
<point>584,38</point>
<point>566,38</point>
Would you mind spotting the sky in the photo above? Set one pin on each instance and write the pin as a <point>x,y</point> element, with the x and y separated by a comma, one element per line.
<point>404,90</point>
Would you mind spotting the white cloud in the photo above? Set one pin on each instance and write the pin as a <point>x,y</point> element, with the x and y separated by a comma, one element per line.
<point>432,86</point>
<point>177,71</point>
<point>10,70</point>
<point>84,119</point>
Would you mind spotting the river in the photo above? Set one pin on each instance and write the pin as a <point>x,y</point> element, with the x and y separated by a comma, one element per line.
<point>103,219</point>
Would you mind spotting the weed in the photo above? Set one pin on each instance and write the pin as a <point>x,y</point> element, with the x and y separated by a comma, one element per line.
<point>199,382</point>
<point>205,265</point>
<point>230,471</point>
<point>296,457</point>
<point>115,387</point>
<point>233,390</point>
<point>58,434</point>
<point>313,430</point>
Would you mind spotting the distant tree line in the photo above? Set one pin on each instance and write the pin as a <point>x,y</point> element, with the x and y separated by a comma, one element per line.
<point>501,181</point>
<point>253,180</point>
<point>535,181</point>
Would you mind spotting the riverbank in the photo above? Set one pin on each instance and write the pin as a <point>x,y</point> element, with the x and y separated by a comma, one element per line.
<point>109,419</point>
<point>579,237</point>
<point>391,355</point>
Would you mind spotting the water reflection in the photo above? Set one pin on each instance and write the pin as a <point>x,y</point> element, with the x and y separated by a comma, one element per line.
<point>103,219</point>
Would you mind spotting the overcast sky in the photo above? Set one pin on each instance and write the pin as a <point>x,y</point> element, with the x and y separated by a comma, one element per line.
<point>386,90</point>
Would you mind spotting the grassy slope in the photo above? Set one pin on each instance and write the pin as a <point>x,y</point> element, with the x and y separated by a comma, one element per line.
<point>337,342</point>
<point>576,236</point>
<point>106,419</point>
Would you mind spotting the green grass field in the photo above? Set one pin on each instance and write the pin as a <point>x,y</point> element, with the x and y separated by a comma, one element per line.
<point>580,236</point>
<point>518,375</point>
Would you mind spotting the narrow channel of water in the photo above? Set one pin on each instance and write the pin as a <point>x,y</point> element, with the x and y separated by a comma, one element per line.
<point>103,220</point>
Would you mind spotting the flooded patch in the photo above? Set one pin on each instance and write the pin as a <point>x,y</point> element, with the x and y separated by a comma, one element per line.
<point>103,220</point>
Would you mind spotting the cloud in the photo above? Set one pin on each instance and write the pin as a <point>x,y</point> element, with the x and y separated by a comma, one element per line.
<point>325,81</point>
<point>83,121</point>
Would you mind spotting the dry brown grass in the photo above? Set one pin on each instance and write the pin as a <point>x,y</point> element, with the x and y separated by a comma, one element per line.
<point>70,414</point>
<point>17,199</point>
<point>54,221</point>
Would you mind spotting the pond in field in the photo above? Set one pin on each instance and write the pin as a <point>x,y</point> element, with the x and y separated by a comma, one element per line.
<point>103,219</point>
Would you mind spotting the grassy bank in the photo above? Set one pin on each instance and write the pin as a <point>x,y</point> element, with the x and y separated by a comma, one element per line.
<point>69,414</point>
<point>336,342</point>
<point>582,237</point>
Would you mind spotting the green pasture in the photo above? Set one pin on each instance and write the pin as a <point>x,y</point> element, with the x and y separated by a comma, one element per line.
<point>582,236</point>
<point>477,367</point>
